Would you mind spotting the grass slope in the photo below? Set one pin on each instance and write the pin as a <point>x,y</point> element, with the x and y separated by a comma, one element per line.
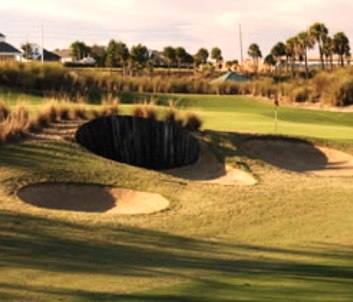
<point>289,238</point>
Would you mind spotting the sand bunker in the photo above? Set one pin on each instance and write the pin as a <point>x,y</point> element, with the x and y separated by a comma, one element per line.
<point>300,156</point>
<point>92,198</point>
<point>208,169</point>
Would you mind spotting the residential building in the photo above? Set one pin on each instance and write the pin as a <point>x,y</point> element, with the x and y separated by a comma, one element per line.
<point>8,52</point>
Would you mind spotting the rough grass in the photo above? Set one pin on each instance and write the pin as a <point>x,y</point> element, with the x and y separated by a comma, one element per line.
<point>277,240</point>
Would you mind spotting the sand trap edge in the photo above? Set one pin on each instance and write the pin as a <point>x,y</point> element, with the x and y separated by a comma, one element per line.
<point>99,199</point>
<point>338,163</point>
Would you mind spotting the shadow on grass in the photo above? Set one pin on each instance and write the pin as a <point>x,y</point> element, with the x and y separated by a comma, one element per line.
<point>289,153</point>
<point>33,155</point>
<point>217,271</point>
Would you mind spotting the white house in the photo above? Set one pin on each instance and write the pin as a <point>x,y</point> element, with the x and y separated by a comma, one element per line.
<point>8,52</point>
<point>87,61</point>
<point>49,56</point>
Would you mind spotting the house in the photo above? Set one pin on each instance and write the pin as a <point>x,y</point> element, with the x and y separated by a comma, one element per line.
<point>157,57</point>
<point>232,77</point>
<point>89,61</point>
<point>65,55</point>
<point>8,52</point>
<point>68,60</point>
<point>48,55</point>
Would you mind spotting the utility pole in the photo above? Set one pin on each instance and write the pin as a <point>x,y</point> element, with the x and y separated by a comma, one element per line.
<point>241,44</point>
<point>42,38</point>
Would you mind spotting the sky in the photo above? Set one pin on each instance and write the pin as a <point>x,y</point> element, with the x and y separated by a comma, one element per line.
<point>158,23</point>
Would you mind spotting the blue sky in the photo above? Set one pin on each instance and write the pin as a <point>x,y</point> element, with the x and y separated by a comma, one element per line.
<point>157,23</point>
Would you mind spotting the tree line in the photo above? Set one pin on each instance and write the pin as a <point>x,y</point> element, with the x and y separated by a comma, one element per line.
<point>296,48</point>
<point>117,54</point>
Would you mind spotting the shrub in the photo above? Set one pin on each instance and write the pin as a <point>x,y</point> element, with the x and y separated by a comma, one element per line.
<point>320,83</point>
<point>64,111</point>
<point>35,125</point>
<point>300,94</point>
<point>109,109</point>
<point>16,124</point>
<point>344,94</point>
<point>284,89</point>
<point>110,105</point>
<point>4,111</point>
<point>79,112</point>
<point>146,110</point>
<point>171,115</point>
<point>42,120</point>
<point>96,113</point>
<point>138,111</point>
<point>192,121</point>
<point>51,109</point>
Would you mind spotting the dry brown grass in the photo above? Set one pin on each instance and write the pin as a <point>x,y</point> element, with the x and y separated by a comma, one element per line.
<point>64,111</point>
<point>110,106</point>
<point>51,110</point>
<point>145,110</point>
<point>4,111</point>
<point>171,115</point>
<point>192,121</point>
<point>95,113</point>
<point>16,124</point>
<point>79,112</point>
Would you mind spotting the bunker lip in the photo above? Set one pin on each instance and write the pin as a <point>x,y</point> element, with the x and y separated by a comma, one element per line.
<point>91,198</point>
<point>141,142</point>
<point>299,156</point>
<point>209,170</point>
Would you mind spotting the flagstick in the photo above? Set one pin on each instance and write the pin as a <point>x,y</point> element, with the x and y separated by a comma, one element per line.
<point>276,120</point>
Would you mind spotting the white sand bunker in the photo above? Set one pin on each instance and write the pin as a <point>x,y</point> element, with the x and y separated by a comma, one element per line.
<point>92,198</point>
<point>300,156</point>
<point>208,169</point>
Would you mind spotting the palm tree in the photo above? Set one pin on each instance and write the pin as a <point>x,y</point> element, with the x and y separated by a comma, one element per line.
<point>122,54</point>
<point>328,50</point>
<point>79,50</point>
<point>319,32</point>
<point>255,53</point>
<point>291,52</point>
<point>170,55</point>
<point>341,46</point>
<point>270,60</point>
<point>99,53</point>
<point>139,56</point>
<point>229,65</point>
<point>216,54</point>
<point>111,58</point>
<point>27,50</point>
<point>181,56</point>
<point>201,56</point>
<point>278,51</point>
<point>305,42</point>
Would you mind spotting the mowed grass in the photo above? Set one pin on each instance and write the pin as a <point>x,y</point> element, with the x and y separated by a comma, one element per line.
<point>288,238</point>
<point>249,114</point>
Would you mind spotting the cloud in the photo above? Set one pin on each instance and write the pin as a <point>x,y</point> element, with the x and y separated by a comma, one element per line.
<point>156,23</point>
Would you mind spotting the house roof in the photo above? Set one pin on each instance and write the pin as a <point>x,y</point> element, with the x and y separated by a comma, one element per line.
<point>6,47</point>
<point>63,53</point>
<point>51,56</point>
<point>48,55</point>
<point>230,77</point>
